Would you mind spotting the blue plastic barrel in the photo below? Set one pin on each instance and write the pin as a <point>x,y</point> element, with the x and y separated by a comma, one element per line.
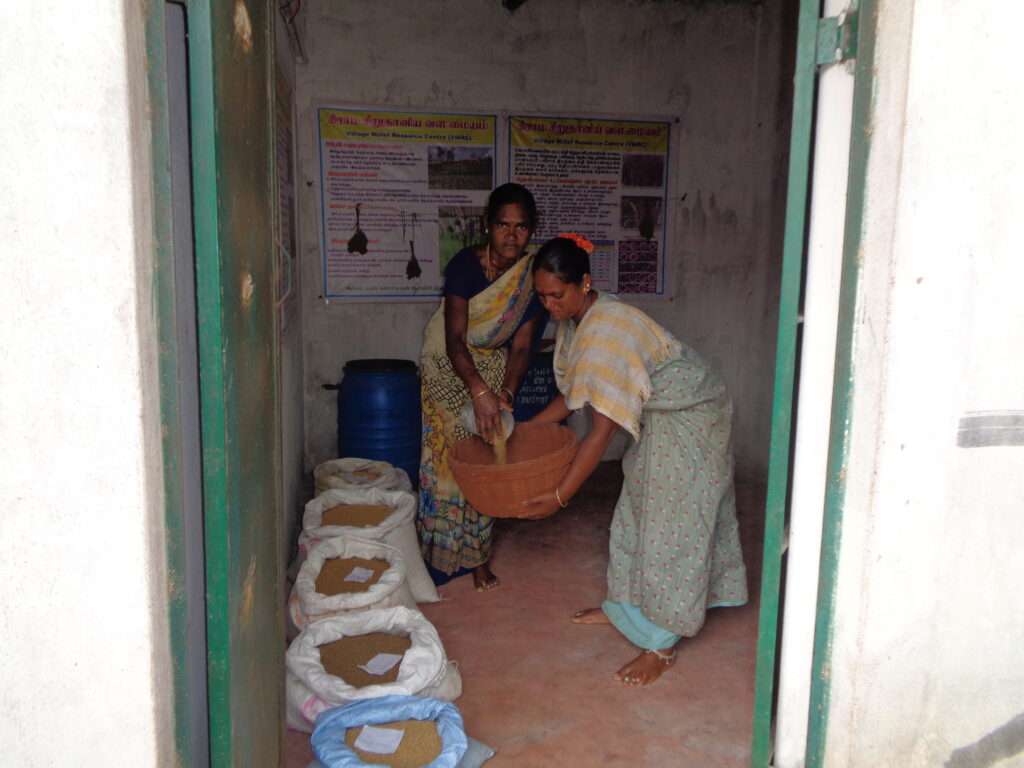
<point>379,415</point>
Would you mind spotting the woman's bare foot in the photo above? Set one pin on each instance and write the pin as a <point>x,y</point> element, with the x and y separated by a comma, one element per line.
<point>647,667</point>
<point>590,616</point>
<point>483,579</point>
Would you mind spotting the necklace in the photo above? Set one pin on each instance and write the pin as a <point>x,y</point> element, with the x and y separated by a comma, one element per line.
<point>491,269</point>
<point>487,261</point>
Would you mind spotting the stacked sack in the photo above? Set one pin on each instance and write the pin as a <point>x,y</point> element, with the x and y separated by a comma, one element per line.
<point>327,664</point>
<point>347,573</point>
<point>343,512</point>
<point>406,731</point>
<point>360,474</point>
<point>356,631</point>
<point>354,475</point>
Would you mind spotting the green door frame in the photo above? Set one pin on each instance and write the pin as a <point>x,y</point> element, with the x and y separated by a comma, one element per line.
<point>816,41</point>
<point>787,346</point>
<point>230,85</point>
<point>843,385</point>
<point>208,286</point>
<point>231,58</point>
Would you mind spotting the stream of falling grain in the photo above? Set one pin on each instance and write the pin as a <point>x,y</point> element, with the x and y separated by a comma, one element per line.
<point>500,446</point>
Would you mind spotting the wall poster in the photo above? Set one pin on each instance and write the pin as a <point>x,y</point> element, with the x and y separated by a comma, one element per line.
<point>401,193</point>
<point>607,180</point>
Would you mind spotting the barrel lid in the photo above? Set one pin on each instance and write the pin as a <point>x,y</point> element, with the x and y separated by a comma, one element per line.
<point>379,365</point>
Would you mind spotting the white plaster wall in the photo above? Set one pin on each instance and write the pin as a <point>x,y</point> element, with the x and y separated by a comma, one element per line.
<point>84,673</point>
<point>928,654</point>
<point>721,67</point>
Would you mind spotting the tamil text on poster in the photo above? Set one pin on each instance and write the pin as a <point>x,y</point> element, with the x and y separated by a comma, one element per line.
<point>605,179</point>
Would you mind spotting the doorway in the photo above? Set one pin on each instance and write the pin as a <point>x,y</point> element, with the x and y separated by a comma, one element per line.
<point>228,63</point>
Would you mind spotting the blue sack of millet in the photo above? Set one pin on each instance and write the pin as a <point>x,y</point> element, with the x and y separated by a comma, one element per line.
<point>457,750</point>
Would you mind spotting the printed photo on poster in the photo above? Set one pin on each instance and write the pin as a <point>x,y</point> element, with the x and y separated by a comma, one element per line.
<point>459,226</point>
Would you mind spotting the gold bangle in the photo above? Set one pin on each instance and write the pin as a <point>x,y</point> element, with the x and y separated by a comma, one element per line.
<point>511,394</point>
<point>481,392</point>
<point>561,503</point>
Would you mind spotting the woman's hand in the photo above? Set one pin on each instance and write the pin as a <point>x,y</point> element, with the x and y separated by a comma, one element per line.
<point>540,506</point>
<point>487,411</point>
<point>554,412</point>
<point>587,457</point>
<point>505,398</point>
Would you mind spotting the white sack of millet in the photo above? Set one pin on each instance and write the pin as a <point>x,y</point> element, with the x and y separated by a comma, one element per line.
<point>370,513</point>
<point>345,574</point>
<point>356,474</point>
<point>424,670</point>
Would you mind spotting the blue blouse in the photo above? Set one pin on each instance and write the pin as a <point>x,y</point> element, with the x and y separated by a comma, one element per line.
<point>465,277</point>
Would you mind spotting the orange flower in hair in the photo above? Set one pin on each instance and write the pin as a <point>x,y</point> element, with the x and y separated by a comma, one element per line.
<point>580,241</point>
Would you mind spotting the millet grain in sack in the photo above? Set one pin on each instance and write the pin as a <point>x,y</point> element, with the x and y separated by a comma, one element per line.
<point>365,475</point>
<point>357,515</point>
<point>342,658</point>
<point>420,745</point>
<point>331,579</point>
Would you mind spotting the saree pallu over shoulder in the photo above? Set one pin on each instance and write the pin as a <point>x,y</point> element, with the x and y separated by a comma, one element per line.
<point>452,534</point>
<point>494,313</point>
<point>607,360</point>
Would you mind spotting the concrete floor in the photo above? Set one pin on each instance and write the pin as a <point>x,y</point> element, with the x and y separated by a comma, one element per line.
<point>539,689</point>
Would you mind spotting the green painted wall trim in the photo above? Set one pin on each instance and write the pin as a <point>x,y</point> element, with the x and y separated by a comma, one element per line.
<point>780,453</point>
<point>163,290</point>
<point>843,390</point>
<point>206,227</point>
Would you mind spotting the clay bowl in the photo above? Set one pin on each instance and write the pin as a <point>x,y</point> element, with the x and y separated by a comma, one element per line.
<point>539,456</point>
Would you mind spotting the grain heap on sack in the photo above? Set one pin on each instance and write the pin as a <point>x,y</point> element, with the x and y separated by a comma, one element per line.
<point>420,745</point>
<point>348,575</point>
<point>370,513</point>
<point>356,515</point>
<point>345,574</point>
<point>346,657</point>
<point>324,663</point>
<point>432,734</point>
<point>360,474</point>
<point>365,476</point>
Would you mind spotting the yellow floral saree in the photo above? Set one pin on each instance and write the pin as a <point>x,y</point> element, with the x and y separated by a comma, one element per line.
<point>453,535</point>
